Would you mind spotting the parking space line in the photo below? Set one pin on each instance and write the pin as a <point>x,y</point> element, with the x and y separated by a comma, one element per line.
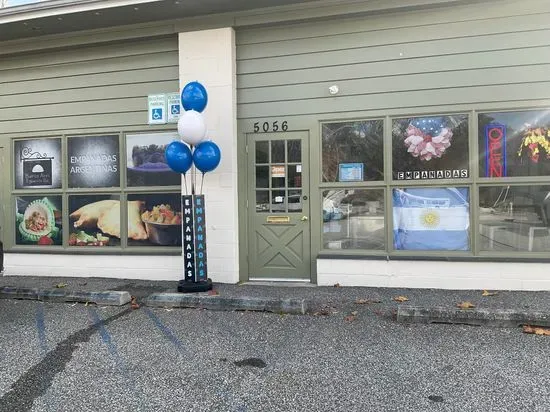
<point>166,331</point>
<point>41,328</point>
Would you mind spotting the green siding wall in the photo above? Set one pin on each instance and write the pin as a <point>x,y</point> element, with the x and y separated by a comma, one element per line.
<point>496,51</point>
<point>98,87</point>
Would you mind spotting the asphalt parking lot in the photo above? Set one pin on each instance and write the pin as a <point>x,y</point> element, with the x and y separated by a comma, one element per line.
<point>69,357</point>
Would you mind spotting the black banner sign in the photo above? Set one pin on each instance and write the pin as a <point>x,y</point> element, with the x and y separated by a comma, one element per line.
<point>194,238</point>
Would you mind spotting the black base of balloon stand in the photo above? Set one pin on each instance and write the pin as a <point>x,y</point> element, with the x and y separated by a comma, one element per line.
<point>194,287</point>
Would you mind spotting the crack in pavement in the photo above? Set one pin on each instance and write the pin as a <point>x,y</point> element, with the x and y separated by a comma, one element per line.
<point>36,381</point>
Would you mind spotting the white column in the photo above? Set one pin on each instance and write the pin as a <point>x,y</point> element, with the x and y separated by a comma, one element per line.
<point>208,57</point>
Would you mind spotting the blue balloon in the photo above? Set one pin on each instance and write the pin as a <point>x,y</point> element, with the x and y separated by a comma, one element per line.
<point>207,156</point>
<point>194,97</point>
<point>179,157</point>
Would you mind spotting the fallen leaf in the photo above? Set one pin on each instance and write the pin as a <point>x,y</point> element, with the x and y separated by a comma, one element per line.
<point>536,330</point>
<point>337,285</point>
<point>133,303</point>
<point>487,293</point>
<point>349,318</point>
<point>213,292</point>
<point>465,305</point>
<point>60,285</point>
<point>322,312</point>
<point>401,299</point>
<point>366,301</point>
<point>354,313</point>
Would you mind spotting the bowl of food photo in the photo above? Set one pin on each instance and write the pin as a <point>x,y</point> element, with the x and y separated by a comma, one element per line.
<point>163,225</point>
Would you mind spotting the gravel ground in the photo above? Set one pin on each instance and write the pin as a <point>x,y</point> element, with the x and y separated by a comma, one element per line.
<point>76,357</point>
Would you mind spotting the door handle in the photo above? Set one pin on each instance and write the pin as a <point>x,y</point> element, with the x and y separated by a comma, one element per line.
<point>304,219</point>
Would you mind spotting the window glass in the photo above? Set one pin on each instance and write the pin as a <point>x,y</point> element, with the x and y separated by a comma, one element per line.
<point>154,219</point>
<point>94,220</point>
<point>93,161</point>
<point>431,218</point>
<point>37,163</point>
<point>353,219</point>
<point>146,162</point>
<point>353,151</point>
<point>514,144</point>
<point>514,218</point>
<point>38,220</point>
<point>430,148</point>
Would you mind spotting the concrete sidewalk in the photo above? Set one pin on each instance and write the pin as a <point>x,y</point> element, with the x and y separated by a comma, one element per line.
<point>505,308</point>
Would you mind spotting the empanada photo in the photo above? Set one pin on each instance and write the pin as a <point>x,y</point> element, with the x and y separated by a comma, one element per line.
<point>109,221</point>
<point>136,229</point>
<point>88,215</point>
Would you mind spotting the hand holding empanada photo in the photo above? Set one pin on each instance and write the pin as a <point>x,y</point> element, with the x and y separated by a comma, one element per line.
<point>88,215</point>
<point>109,221</point>
<point>136,229</point>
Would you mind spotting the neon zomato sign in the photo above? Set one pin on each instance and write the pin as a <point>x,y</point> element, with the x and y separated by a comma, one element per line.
<point>495,150</point>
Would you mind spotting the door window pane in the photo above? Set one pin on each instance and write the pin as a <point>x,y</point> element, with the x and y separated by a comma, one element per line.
<point>357,143</point>
<point>262,201</point>
<point>278,201</point>
<point>294,151</point>
<point>262,152</point>
<point>262,176</point>
<point>430,148</point>
<point>294,175</point>
<point>353,219</point>
<point>294,200</point>
<point>514,144</point>
<point>514,218</point>
<point>277,151</point>
<point>431,218</point>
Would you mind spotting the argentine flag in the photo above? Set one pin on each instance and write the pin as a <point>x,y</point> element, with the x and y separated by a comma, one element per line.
<point>431,219</point>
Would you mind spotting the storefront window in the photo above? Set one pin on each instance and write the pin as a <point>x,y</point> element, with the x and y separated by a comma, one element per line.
<point>94,195</point>
<point>514,144</point>
<point>353,219</point>
<point>37,163</point>
<point>514,218</point>
<point>154,219</point>
<point>38,220</point>
<point>93,161</point>
<point>353,151</point>
<point>431,218</point>
<point>430,148</point>
<point>145,160</point>
<point>94,220</point>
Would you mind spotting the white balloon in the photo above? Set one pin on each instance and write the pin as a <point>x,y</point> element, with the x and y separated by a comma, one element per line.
<point>191,127</point>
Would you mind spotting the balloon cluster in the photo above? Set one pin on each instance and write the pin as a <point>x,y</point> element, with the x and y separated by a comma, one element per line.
<point>192,148</point>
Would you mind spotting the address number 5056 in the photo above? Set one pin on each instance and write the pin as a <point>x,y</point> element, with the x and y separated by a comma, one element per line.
<point>270,126</point>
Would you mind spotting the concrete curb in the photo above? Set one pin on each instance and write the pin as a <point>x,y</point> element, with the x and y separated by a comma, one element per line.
<point>217,302</point>
<point>478,317</point>
<point>110,298</point>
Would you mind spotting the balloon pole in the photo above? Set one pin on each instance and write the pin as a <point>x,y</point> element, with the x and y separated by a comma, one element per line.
<point>193,154</point>
<point>185,182</point>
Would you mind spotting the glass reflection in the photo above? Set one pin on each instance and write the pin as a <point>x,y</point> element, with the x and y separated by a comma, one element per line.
<point>353,219</point>
<point>514,218</point>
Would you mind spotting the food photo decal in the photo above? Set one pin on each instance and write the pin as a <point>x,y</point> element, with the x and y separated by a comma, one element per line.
<point>38,221</point>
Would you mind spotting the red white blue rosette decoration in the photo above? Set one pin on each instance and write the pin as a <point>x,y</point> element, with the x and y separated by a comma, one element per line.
<point>427,138</point>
